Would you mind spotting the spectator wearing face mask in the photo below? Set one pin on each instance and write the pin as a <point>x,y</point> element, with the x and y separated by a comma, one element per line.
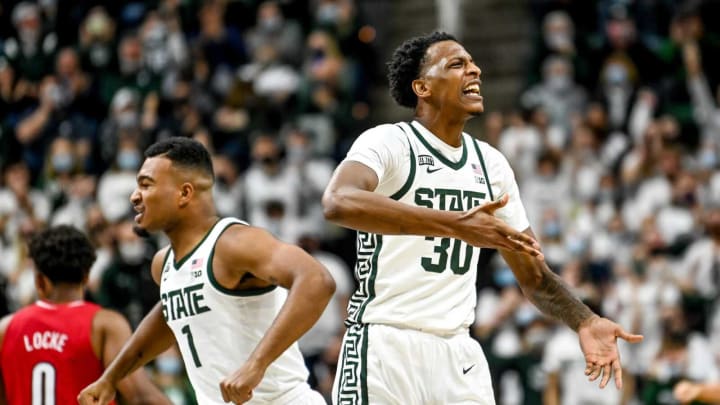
<point>270,180</point>
<point>164,45</point>
<point>620,45</point>
<point>221,45</point>
<point>97,41</point>
<point>61,164</point>
<point>558,93</point>
<point>30,53</point>
<point>131,71</point>
<point>22,208</point>
<point>558,38</point>
<point>332,89</point>
<point>117,183</point>
<point>20,201</point>
<point>127,284</point>
<point>129,116</point>
<point>273,29</point>
<point>314,172</point>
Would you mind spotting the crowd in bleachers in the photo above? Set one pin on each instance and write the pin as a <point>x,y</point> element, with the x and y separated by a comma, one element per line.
<point>615,144</point>
<point>275,89</point>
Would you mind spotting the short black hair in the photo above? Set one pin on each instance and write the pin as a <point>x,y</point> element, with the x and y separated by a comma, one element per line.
<point>185,152</point>
<point>404,66</point>
<point>62,253</point>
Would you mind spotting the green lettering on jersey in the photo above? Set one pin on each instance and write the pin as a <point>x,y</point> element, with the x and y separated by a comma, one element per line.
<point>424,197</point>
<point>449,199</point>
<point>196,298</point>
<point>458,252</point>
<point>183,302</point>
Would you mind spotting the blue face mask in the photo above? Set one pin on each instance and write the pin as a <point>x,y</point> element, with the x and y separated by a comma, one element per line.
<point>128,160</point>
<point>551,229</point>
<point>62,162</point>
<point>168,365</point>
<point>504,277</point>
<point>708,159</point>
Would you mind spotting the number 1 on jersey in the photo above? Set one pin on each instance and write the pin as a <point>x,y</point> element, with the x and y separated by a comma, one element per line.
<point>186,331</point>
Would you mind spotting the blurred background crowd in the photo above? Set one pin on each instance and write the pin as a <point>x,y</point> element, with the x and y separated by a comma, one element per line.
<point>614,137</point>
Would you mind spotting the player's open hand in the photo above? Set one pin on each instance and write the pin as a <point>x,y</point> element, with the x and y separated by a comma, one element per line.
<point>686,391</point>
<point>598,341</point>
<point>237,388</point>
<point>100,392</point>
<point>483,229</point>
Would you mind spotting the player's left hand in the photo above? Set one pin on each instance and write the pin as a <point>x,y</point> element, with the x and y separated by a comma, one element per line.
<point>598,341</point>
<point>686,391</point>
<point>237,387</point>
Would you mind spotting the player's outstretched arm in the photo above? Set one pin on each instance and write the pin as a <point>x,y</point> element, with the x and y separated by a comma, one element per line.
<point>349,201</point>
<point>310,288</point>
<point>151,338</point>
<point>598,336</point>
<point>687,391</point>
<point>136,388</point>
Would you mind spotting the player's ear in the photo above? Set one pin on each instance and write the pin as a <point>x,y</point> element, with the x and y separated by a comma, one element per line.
<point>420,88</point>
<point>186,193</point>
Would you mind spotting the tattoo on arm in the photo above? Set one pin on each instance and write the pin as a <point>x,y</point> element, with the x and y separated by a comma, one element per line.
<point>553,298</point>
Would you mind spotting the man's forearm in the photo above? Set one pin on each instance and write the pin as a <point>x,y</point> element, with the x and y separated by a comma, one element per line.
<point>552,297</point>
<point>370,212</point>
<point>709,392</point>
<point>151,338</point>
<point>305,303</point>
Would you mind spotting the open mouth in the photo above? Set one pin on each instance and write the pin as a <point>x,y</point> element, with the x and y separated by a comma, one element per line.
<point>140,213</point>
<point>472,90</point>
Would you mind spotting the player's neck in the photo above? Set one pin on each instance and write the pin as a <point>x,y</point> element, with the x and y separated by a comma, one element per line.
<point>64,294</point>
<point>449,131</point>
<point>186,234</point>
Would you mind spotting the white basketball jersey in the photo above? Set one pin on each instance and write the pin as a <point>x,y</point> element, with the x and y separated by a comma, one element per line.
<point>426,283</point>
<point>217,329</point>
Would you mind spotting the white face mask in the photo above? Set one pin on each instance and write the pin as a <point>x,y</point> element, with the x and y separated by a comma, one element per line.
<point>558,82</point>
<point>128,119</point>
<point>558,40</point>
<point>132,252</point>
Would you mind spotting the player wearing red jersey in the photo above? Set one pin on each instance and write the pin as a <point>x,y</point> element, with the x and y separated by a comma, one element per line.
<point>52,349</point>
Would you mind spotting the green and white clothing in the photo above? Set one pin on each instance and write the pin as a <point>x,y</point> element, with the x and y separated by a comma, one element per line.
<point>418,282</point>
<point>414,282</point>
<point>217,329</point>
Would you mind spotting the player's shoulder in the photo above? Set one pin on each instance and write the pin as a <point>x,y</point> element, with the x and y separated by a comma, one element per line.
<point>385,131</point>
<point>161,255</point>
<point>106,319</point>
<point>4,324</point>
<point>391,136</point>
<point>237,230</point>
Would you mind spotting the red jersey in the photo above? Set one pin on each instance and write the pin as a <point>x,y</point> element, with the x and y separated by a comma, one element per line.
<point>47,355</point>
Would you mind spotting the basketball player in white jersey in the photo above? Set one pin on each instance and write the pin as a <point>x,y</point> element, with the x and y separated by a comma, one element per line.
<point>424,197</point>
<point>234,298</point>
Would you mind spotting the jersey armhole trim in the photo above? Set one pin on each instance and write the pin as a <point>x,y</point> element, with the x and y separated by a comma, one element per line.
<point>484,169</point>
<point>236,293</point>
<point>411,176</point>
